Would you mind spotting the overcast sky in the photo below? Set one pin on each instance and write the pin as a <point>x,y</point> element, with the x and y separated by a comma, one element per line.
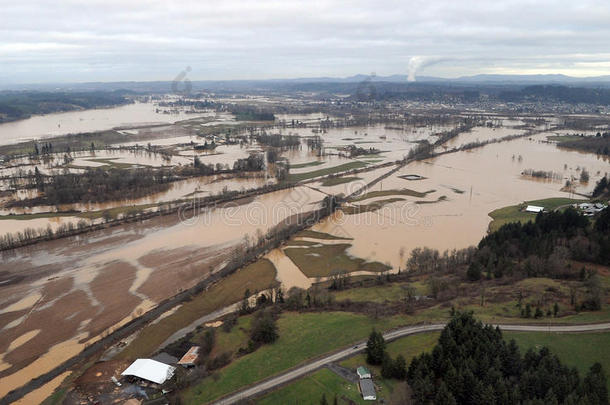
<point>112,40</point>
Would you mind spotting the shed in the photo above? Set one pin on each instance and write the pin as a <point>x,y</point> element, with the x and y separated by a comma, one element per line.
<point>190,357</point>
<point>367,388</point>
<point>363,372</point>
<point>150,370</point>
<point>534,208</point>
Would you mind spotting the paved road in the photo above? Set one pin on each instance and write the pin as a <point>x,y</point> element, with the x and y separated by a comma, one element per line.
<point>395,334</point>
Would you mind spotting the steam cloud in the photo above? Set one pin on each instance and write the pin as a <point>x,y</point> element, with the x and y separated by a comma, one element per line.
<point>416,63</point>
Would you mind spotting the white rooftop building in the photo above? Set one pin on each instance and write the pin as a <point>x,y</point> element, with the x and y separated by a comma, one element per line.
<point>534,208</point>
<point>150,370</point>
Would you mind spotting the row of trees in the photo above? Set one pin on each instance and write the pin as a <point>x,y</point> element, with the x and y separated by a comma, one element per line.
<point>473,364</point>
<point>598,144</point>
<point>96,185</point>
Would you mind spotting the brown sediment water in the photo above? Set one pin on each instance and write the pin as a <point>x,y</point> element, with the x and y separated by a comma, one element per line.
<point>54,356</point>
<point>474,183</point>
<point>49,125</point>
<point>91,284</point>
<point>287,272</point>
<point>39,395</point>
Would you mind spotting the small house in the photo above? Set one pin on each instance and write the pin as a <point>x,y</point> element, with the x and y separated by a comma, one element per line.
<point>367,388</point>
<point>363,372</point>
<point>190,358</point>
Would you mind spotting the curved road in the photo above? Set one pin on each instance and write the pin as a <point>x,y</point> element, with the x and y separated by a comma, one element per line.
<point>295,373</point>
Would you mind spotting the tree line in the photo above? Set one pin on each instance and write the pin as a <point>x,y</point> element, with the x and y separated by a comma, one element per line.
<point>473,364</point>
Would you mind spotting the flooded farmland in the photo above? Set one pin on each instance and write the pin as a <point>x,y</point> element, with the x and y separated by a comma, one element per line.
<point>73,282</point>
<point>61,295</point>
<point>50,125</point>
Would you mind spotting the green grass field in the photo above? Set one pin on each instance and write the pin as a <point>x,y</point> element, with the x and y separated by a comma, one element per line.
<point>295,177</point>
<point>339,180</point>
<point>580,350</point>
<point>302,337</point>
<point>309,389</point>
<point>384,193</point>
<point>374,206</point>
<point>380,293</point>
<point>575,350</point>
<point>308,164</point>
<point>255,277</point>
<point>513,213</point>
<point>325,260</point>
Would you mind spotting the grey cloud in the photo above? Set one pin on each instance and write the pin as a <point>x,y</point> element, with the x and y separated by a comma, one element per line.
<point>154,40</point>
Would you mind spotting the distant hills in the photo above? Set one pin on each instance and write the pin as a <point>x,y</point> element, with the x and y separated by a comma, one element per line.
<point>481,80</point>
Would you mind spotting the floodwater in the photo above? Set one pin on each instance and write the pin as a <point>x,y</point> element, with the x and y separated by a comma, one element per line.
<point>49,125</point>
<point>82,287</point>
<point>474,183</point>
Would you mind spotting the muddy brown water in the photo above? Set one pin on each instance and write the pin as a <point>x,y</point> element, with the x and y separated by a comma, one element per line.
<point>83,287</point>
<point>50,125</point>
<point>474,183</point>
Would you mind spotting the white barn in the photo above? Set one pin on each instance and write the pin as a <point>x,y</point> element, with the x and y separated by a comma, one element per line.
<point>150,370</point>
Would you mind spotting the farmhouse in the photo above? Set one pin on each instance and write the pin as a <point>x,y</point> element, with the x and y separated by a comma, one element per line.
<point>367,388</point>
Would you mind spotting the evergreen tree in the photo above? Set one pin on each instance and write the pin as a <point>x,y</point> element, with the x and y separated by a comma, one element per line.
<point>400,367</point>
<point>375,348</point>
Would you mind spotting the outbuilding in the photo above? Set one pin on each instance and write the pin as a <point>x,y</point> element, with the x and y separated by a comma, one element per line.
<point>150,370</point>
<point>363,372</point>
<point>190,358</point>
<point>534,208</point>
<point>367,388</point>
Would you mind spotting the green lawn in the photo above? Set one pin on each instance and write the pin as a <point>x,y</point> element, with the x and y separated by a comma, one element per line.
<point>339,180</point>
<point>309,390</point>
<point>513,213</point>
<point>322,261</point>
<point>295,177</point>
<point>578,350</point>
<point>302,337</point>
<point>233,340</point>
